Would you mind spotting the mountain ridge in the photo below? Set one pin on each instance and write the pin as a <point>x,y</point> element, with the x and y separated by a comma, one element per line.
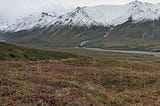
<point>99,26</point>
<point>106,15</point>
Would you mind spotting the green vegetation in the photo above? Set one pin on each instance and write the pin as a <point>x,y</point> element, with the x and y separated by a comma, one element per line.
<point>12,52</point>
<point>133,44</point>
<point>107,55</point>
<point>95,79</point>
<point>142,36</point>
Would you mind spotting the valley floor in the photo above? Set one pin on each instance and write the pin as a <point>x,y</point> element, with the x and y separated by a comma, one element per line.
<point>82,81</point>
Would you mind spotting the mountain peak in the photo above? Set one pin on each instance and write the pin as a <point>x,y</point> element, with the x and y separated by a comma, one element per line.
<point>79,10</point>
<point>106,15</point>
<point>136,2</point>
<point>43,14</point>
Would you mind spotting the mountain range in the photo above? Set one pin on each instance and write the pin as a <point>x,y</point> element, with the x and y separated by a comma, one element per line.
<point>131,26</point>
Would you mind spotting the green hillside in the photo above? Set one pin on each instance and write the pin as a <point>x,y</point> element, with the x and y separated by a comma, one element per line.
<point>143,36</point>
<point>12,52</point>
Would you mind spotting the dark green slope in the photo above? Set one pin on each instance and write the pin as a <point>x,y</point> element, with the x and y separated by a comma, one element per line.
<point>135,36</point>
<point>12,52</point>
<point>59,36</point>
<point>145,30</point>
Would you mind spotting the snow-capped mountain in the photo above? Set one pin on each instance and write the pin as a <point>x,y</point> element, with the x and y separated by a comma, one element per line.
<point>4,23</point>
<point>115,15</point>
<point>112,14</point>
<point>104,15</point>
<point>32,21</point>
<point>77,17</point>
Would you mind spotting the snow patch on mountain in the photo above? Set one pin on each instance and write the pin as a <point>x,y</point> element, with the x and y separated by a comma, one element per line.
<point>4,23</point>
<point>118,14</point>
<point>111,15</point>
<point>104,15</point>
<point>83,43</point>
<point>33,21</point>
<point>77,17</point>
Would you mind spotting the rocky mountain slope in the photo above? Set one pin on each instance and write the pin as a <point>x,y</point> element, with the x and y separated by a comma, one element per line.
<point>88,26</point>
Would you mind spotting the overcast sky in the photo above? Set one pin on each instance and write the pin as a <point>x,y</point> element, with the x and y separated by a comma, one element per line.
<point>25,7</point>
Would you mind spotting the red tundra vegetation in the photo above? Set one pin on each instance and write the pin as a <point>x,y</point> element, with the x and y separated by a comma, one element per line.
<point>80,82</point>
